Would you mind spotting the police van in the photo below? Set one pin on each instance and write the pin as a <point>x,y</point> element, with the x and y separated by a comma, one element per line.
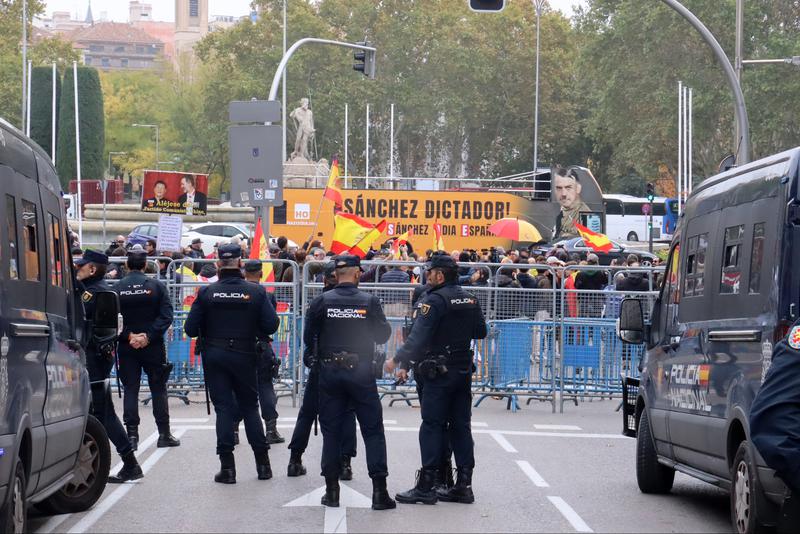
<point>52,452</point>
<point>730,292</point>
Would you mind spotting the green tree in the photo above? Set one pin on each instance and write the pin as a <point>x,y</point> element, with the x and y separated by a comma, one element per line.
<point>42,106</point>
<point>92,131</point>
<point>11,56</point>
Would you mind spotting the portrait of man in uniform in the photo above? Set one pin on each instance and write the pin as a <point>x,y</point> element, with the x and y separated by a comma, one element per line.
<point>568,194</point>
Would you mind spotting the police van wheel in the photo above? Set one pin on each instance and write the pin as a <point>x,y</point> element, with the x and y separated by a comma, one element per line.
<point>90,474</point>
<point>748,504</point>
<point>14,514</point>
<point>651,476</point>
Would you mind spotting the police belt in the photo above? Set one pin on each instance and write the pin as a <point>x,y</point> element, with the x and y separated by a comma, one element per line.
<point>236,345</point>
<point>454,357</point>
<point>343,359</point>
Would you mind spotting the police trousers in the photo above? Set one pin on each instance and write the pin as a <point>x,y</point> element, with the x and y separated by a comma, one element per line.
<point>233,386</point>
<point>446,412</point>
<point>102,405</point>
<point>339,389</point>
<point>267,398</point>
<point>448,450</point>
<point>309,411</point>
<point>775,419</point>
<point>131,364</point>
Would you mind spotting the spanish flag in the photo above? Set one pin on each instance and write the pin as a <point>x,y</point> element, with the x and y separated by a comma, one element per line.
<point>260,251</point>
<point>333,191</point>
<point>349,231</point>
<point>595,241</point>
<point>438,241</point>
<point>361,248</point>
<point>401,240</point>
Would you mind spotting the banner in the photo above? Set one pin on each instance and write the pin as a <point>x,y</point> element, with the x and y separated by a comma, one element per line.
<point>179,193</point>
<point>170,230</point>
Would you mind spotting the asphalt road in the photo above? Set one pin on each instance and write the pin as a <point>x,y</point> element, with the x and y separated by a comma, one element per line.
<point>536,472</point>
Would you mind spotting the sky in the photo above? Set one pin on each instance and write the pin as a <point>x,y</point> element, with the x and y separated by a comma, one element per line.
<point>164,10</point>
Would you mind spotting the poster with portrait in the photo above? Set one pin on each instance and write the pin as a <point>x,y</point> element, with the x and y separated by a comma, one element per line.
<point>178,193</point>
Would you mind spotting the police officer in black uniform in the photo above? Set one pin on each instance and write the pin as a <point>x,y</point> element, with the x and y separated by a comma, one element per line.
<point>439,345</point>
<point>90,272</point>
<point>346,324</point>
<point>775,424</point>
<point>310,409</point>
<point>229,316</point>
<point>147,314</point>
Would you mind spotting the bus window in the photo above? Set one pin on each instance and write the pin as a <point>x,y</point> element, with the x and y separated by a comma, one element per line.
<point>613,207</point>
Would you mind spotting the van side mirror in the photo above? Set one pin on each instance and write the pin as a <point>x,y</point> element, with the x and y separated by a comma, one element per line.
<point>630,325</point>
<point>106,310</point>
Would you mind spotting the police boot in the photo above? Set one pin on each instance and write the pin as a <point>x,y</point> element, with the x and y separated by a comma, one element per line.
<point>444,477</point>
<point>165,438</point>
<point>130,470</point>
<point>331,497</point>
<point>347,471</point>
<point>296,467</point>
<point>789,518</point>
<point>423,491</point>
<point>133,436</point>
<point>273,436</point>
<point>227,469</point>
<point>263,467</point>
<point>380,496</point>
<point>462,491</point>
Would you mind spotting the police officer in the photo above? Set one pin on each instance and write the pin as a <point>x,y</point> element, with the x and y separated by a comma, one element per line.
<point>775,424</point>
<point>449,319</point>
<point>310,409</point>
<point>229,316</point>
<point>146,314</point>
<point>345,324</point>
<point>90,272</point>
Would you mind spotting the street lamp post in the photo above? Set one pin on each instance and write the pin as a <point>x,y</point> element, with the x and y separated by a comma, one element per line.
<point>537,5</point>
<point>155,126</point>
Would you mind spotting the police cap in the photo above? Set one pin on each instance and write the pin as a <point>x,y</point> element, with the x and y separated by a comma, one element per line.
<point>442,261</point>
<point>252,266</point>
<point>346,260</point>
<point>229,251</point>
<point>330,269</point>
<point>92,256</point>
<point>137,253</point>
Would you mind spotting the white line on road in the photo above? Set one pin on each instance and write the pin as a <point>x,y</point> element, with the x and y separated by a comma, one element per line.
<point>189,420</point>
<point>479,424</point>
<point>503,442</point>
<point>556,427</point>
<point>535,477</point>
<point>105,505</point>
<point>570,515</point>
<point>335,520</point>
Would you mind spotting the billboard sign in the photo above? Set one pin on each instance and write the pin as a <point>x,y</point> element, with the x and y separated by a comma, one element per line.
<point>176,193</point>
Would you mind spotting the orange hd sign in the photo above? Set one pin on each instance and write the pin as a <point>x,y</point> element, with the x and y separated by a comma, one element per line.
<point>465,216</point>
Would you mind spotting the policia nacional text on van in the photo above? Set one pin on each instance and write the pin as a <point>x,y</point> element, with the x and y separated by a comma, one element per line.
<point>730,294</point>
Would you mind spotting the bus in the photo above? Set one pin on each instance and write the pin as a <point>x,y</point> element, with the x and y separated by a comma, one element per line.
<point>626,219</point>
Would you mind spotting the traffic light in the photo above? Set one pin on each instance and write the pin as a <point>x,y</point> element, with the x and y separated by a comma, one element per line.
<point>364,60</point>
<point>651,192</point>
<point>487,5</point>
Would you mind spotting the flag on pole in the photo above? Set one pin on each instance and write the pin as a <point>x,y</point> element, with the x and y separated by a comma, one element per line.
<point>348,231</point>
<point>333,190</point>
<point>361,248</point>
<point>438,242</point>
<point>260,251</point>
<point>595,241</point>
<point>401,240</point>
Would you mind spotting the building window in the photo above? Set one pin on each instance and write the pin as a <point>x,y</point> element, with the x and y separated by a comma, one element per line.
<point>124,63</point>
<point>140,50</point>
<point>694,283</point>
<point>194,8</point>
<point>106,62</point>
<point>96,48</point>
<point>731,277</point>
<point>87,60</point>
<point>756,258</point>
<point>119,50</point>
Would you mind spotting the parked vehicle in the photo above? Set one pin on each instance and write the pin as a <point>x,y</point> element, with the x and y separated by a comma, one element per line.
<point>618,251</point>
<point>54,454</point>
<point>731,291</point>
<point>627,217</point>
<point>141,234</point>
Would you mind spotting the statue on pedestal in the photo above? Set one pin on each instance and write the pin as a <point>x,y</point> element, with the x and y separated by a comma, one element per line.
<point>304,125</point>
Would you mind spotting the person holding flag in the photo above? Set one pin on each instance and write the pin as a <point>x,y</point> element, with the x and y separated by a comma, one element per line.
<point>438,241</point>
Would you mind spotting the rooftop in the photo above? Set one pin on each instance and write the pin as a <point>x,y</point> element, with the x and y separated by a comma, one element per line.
<point>112,32</point>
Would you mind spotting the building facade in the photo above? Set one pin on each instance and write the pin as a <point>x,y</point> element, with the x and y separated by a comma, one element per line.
<point>117,46</point>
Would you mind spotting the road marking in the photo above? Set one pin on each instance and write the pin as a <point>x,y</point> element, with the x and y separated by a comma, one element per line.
<point>535,477</point>
<point>556,427</point>
<point>105,505</point>
<point>335,518</point>
<point>570,515</point>
<point>503,442</point>
<point>189,420</point>
<point>479,424</point>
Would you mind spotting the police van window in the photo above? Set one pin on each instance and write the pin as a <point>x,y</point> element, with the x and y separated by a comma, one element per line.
<point>756,258</point>
<point>11,223</point>
<point>56,265</point>
<point>695,266</point>
<point>730,280</point>
<point>31,247</point>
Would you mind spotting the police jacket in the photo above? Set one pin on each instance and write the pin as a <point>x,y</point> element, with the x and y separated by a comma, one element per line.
<point>446,321</point>
<point>90,287</point>
<point>232,310</point>
<point>145,308</point>
<point>346,319</point>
